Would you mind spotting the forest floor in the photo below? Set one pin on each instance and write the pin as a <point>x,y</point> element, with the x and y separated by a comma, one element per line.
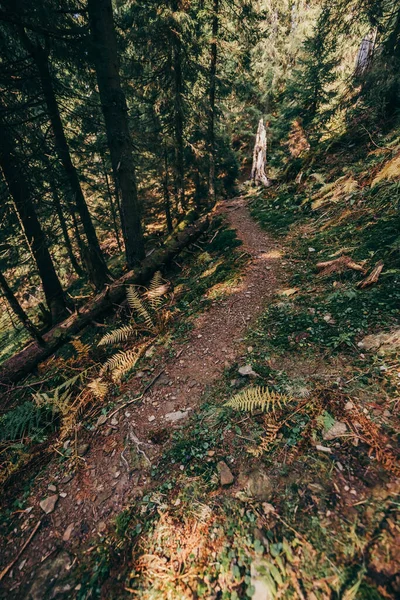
<point>176,495</point>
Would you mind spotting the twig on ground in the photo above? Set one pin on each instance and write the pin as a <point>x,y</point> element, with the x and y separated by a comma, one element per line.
<point>12,563</point>
<point>146,389</point>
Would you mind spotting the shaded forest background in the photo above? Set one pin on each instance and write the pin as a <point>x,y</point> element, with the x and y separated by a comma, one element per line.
<point>117,120</point>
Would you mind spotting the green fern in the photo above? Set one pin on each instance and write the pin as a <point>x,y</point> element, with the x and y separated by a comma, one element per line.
<point>258,398</point>
<point>122,334</point>
<point>26,420</point>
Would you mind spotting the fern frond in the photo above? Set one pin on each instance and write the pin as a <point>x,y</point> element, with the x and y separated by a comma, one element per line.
<point>127,360</point>
<point>258,398</point>
<point>271,432</point>
<point>99,388</point>
<point>118,335</point>
<point>120,363</point>
<point>157,289</point>
<point>137,304</point>
<point>80,348</point>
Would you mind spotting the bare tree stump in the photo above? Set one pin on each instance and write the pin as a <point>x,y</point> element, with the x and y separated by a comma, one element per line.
<point>365,53</point>
<point>258,176</point>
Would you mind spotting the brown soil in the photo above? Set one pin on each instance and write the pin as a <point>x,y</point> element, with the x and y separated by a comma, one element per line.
<point>115,467</point>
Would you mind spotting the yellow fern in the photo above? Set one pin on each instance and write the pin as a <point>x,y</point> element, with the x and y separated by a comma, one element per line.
<point>120,363</point>
<point>80,348</point>
<point>136,303</point>
<point>157,289</point>
<point>258,398</point>
<point>122,334</point>
<point>271,432</point>
<point>99,388</point>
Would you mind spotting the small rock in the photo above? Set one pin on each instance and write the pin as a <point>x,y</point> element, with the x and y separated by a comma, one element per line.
<point>210,452</point>
<point>48,504</point>
<point>349,405</point>
<point>250,348</point>
<point>259,485</point>
<point>151,419</point>
<point>225,474</point>
<point>52,488</point>
<point>323,449</point>
<point>114,421</point>
<point>82,449</point>
<point>268,508</point>
<point>68,532</point>
<point>101,420</point>
<point>247,370</point>
<point>117,474</point>
<point>337,430</point>
<point>175,416</point>
<point>22,564</point>
<point>67,478</point>
<point>63,495</point>
<point>387,413</point>
<point>311,250</point>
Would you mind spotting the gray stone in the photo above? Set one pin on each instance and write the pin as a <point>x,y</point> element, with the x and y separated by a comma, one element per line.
<point>225,474</point>
<point>337,430</point>
<point>101,420</point>
<point>68,532</point>
<point>176,416</point>
<point>82,449</point>
<point>48,504</point>
<point>262,590</point>
<point>247,371</point>
<point>52,488</point>
<point>50,579</point>
<point>259,486</point>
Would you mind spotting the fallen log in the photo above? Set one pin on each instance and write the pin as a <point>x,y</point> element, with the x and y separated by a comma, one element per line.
<point>22,364</point>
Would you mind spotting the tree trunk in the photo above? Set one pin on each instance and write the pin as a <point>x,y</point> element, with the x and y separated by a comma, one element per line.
<point>365,54</point>
<point>178,111</point>
<point>211,116</point>
<point>67,241</point>
<point>167,201</point>
<point>98,269</point>
<point>106,60</point>
<point>19,311</point>
<point>20,192</point>
<point>258,176</point>
<point>24,362</point>
<point>112,204</point>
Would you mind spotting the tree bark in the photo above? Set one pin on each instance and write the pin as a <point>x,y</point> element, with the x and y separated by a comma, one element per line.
<point>211,116</point>
<point>167,201</point>
<point>98,270</point>
<point>178,111</point>
<point>20,192</point>
<point>258,176</point>
<point>24,362</point>
<point>67,240</point>
<point>106,61</point>
<point>19,311</point>
<point>112,204</point>
<point>365,53</point>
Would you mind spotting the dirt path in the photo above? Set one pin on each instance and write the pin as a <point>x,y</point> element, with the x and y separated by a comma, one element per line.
<point>115,464</point>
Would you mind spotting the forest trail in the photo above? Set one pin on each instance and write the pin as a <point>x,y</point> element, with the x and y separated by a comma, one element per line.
<point>116,460</point>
